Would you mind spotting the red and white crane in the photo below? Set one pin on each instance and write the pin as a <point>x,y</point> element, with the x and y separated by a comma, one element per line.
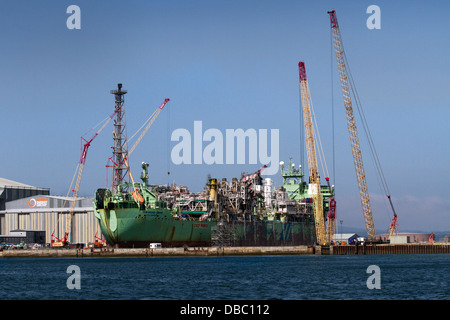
<point>57,242</point>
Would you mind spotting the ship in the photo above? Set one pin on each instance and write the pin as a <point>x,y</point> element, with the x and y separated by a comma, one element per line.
<point>246,211</point>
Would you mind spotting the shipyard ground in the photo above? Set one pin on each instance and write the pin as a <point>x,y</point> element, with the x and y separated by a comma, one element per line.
<point>436,248</point>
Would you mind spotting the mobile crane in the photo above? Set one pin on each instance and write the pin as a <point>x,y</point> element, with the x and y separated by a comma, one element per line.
<point>351,126</point>
<point>56,242</point>
<point>347,87</point>
<point>312,157</point>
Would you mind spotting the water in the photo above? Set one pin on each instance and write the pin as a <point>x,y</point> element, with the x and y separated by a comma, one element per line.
<point>402,277</point>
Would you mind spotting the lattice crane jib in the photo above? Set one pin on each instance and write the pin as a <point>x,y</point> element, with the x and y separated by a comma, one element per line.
<point>312,157</point>
<point>351,125</point>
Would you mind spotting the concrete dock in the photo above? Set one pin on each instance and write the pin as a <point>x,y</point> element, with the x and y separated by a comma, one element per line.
<point>410,248</point>
<point>230,251</point>
<point>161,252</point>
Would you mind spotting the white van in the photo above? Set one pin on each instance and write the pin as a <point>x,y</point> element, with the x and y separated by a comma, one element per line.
<point>155,245</point>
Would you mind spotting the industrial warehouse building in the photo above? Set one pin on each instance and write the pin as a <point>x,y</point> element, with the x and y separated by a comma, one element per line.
<point>345,238</point>
<point>27,208</point>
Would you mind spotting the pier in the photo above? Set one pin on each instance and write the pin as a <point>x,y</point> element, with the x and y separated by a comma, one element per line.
<point>416,248</point>
<point>369,249</point>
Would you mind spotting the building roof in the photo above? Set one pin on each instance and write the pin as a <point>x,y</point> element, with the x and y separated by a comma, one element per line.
<point>10,183</point>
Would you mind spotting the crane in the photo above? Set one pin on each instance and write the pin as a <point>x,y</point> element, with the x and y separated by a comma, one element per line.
<point>312,158</point>
<point>331,221</point>
<point>393,226</point>
<point>150,121</point>
<point>79,173</point>
<point>253,175</point>
<point>351,125</point>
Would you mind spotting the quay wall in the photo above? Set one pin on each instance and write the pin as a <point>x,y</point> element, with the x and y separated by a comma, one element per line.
<point>369,249</point>
<point>160,252</point>
<point>416,248</point>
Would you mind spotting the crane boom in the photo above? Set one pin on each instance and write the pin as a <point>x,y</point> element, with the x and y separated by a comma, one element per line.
<point>312,157</point>
<point>155,115</point>
<point>393,226</point>
<point>151,120</point>
<point>351,125</point>
<point>81,163</point>
<point>253,175</point>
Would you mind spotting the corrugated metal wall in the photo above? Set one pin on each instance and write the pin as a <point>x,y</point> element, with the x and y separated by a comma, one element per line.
<point>84,224</point>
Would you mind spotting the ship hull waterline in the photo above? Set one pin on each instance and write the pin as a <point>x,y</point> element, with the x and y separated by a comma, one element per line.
<point>134,228</point>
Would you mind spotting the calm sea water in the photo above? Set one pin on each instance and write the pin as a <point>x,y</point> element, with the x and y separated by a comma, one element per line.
<point>222,278</point>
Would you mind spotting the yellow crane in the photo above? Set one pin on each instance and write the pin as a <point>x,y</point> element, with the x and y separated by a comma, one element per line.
<point>351,125</point>
<point>312,157</point>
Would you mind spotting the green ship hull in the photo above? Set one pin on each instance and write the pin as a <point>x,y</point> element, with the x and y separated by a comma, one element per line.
<point>135,228</point>
<point>142,215</point>
<point>132,227</point>
<point>138,229</point>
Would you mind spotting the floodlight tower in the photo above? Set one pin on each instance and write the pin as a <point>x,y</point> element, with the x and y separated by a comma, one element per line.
<point>120,147</point>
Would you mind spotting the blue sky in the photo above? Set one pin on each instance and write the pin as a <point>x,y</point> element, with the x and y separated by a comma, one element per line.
<point>230,64</point>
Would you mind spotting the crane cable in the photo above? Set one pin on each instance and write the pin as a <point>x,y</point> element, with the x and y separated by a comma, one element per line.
<point>168,147</point>
<point>332,106</point>
<point>104,122</point>
<point>67,196</point>
<point>75,173</point>
<point>301,128</point>
<point>143,125</point>
<point>381,177</point>
<point>318,141</point>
